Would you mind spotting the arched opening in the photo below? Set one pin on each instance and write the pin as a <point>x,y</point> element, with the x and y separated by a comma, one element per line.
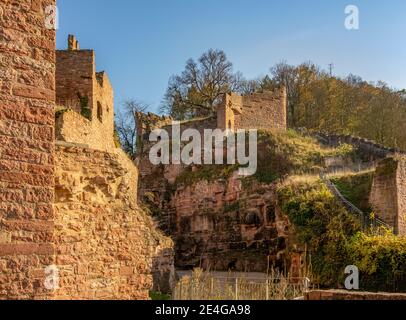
<point>229,125</point>
<point>99,112</point>
<point>253,219</point>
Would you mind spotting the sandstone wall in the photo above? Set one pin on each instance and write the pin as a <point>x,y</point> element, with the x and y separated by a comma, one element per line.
<point>351,295</point>
<point>263,111</point>
<point>107,247</point>
<point>368,150</point>
<point>76,76</point>
<point>232,104</point>
<point>103,110</point>
<point>196,124</point>
<point>27,95</point>
<point>75,72</point>
<point>384,192</point>
<point>401,185</point>
<point>73,127</point>
<point>388,194</point>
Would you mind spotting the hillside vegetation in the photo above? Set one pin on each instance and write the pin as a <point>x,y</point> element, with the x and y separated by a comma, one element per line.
<point>335,240</point>
<point>280,153</point>
<point>320,101</point>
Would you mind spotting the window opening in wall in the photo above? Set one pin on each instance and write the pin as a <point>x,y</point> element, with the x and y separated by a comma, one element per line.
<point>99,112</point>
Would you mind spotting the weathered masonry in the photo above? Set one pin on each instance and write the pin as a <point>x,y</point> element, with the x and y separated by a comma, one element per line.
<point>27,100</point>
<point>388,195</point>
<point>84,98</point>
<point>71,204</point>
<point>261,111</point>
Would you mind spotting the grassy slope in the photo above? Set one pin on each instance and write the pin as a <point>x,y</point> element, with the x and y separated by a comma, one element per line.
<point>289,153</point>
<point>279,154</point>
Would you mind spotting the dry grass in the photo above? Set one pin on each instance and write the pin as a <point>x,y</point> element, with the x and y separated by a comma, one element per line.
<point>349,173</point>
<point>301,179</point>
<point>204,286</point>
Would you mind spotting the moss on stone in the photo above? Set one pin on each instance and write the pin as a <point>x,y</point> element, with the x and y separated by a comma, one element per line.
<point>387,167</point>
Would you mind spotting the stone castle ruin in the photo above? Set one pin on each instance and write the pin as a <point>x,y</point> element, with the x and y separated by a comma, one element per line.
<point>221,218</point>
<point>85,99</point>
<point>244,226</point>
<point>71,225</point>
<point>262,111</point>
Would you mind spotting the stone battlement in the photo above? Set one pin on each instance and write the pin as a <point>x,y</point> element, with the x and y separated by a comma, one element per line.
<point>263,111</point>
<point>89,94</point>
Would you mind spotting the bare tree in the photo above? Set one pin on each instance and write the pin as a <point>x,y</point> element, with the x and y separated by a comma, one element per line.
<point>200,87</point>
<point>126,125</point>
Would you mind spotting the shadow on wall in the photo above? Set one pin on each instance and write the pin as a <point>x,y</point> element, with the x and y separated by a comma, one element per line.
<point>163,271</point>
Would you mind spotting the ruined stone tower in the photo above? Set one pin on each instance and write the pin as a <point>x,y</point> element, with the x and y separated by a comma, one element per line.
<point>261,110</point>
<point>89,94</point>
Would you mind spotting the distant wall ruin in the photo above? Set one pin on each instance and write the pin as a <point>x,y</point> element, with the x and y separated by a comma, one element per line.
<point>368,150</point>
<point>263,111</point>
<point>388,195</point>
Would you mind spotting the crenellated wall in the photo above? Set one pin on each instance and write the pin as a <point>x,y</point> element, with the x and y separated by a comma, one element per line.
<point>261,110</point>
<point>89,93</point>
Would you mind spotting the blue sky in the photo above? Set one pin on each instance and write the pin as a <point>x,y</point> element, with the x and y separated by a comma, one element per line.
<point>141,43</point>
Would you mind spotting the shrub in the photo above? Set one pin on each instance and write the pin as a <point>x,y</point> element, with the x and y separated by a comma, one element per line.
<point>322,224</point>
<point>381,261</point>
<point>335,240</point>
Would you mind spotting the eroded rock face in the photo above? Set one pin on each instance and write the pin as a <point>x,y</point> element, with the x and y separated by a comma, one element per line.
<point>106,246</point>
<point>225,225</point>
